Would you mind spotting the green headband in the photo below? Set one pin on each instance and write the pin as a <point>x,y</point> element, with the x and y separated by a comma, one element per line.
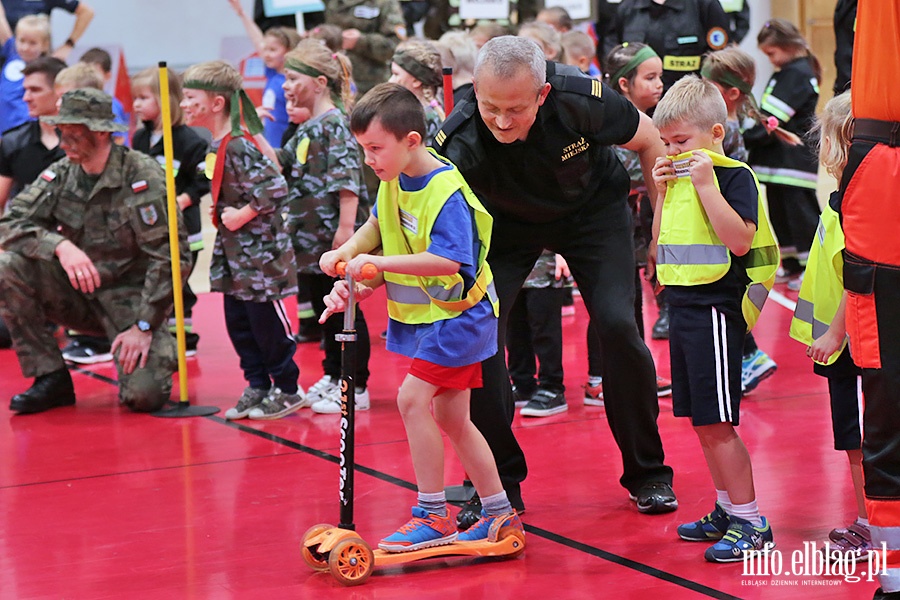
<point>417,69</point>
<point>730,80</point>
<point>640,56</point>
<point>240,102</point>
<point>301,67</point>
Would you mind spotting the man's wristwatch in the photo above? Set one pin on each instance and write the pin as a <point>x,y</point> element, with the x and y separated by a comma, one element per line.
<point>143,326</point>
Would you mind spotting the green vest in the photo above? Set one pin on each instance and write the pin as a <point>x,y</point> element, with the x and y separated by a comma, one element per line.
<point>690,253</point>
<point>823,285</point>
<point>405,220</point>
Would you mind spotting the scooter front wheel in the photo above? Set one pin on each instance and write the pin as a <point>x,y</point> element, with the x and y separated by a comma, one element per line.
<point>311,556</point>
<point>351,561</point>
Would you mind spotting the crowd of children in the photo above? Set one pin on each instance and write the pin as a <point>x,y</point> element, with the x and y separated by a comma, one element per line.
<point>290,200</point>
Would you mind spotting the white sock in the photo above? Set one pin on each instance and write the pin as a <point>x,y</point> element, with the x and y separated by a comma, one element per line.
<point>724,501</point>
<point>496,504</point>
<point>594,381</point>
<point>747,512</point>
<point>435,503</point>
<point>863,522</point>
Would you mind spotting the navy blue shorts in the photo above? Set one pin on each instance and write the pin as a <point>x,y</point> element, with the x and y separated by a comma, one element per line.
<point>845,400</point>
<point>705,349</point>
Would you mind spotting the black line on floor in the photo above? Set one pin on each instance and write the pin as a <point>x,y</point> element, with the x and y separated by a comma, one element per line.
<point>531,529</point>
<point>547,535</point>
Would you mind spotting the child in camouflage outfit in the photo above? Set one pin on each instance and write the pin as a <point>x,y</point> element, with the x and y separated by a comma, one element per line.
<point>323,168</point>
<point>253,261</point>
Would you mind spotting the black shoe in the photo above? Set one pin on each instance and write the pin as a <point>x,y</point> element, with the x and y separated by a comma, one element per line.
<point>521,397</point>
<point>307,337</point>
<point>655,498</point>
<point>545,403</point>
<point>470,513</point>
<point>48,391</point>
<point>661,327</point>
<point>5,339</point>
<point>882,595</point>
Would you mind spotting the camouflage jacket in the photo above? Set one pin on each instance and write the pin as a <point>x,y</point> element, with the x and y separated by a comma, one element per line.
<point>319,161</point>
<point>122,226</point>
<point>543,275</point>
<point>382,27</point>
<point>256,262</point>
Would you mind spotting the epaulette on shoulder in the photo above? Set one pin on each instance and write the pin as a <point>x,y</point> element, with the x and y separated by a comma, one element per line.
<point>569,79</point>
<point>461,113</point>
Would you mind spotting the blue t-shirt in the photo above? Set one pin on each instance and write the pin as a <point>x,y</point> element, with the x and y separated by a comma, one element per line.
<point>470,337</point>
<point>122,118</point>
<point>16,9</point>
<point>273,99</point>
<point>13,111</point>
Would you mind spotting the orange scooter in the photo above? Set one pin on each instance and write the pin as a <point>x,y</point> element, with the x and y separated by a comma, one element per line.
<point>340,549</point>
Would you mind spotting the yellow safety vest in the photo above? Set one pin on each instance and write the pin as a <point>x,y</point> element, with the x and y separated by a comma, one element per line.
<point>405,220</point>
<point>823,284</point>
<point>690,253</point>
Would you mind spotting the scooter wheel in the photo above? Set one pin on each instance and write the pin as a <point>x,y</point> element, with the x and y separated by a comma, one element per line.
<point>351,561</point>
<point>519,542</point>
<point>311,556</point>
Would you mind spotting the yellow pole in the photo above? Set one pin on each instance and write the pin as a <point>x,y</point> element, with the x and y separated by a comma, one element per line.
<point>166,111</point>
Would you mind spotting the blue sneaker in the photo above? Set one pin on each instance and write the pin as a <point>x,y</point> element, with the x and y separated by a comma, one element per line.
<point>740,538</point>
<point>711,527</point>
<point>488,527</point>
<point>754,369</point>
<point>424,530</point>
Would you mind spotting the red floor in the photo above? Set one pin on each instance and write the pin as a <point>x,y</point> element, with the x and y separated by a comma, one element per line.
<point>101,503</point>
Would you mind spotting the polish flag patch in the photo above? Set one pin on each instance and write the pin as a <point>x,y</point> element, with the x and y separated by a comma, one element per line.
<point>48,175</point>
<point>139,186</point>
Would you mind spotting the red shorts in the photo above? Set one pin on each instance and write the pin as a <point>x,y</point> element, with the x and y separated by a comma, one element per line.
<point>454,378</point>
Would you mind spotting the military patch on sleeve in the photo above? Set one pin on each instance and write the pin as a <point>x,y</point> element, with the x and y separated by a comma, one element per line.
<point>48,175</point>
<point>139,186</point>
<point>716,38</point>
<point>149,216</point>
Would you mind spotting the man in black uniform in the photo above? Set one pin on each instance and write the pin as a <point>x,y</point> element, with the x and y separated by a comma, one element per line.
<point>680,31</point>
<point>533,141</point>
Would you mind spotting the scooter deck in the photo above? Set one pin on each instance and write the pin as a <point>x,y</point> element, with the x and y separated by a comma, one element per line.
<point>502,547</point>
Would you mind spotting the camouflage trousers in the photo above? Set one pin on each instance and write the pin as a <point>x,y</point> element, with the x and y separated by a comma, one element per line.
<point>34,292</point>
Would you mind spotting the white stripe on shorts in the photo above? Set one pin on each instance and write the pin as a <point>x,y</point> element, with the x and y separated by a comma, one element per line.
<point>720,343</point>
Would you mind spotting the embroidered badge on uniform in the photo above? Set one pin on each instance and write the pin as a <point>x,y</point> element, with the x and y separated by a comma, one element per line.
<point>716,38</point>
<point>303,150</point>
<point>139,186</point>
<point>48,175</point>
<point>149,215</point>
<point>210,165</point>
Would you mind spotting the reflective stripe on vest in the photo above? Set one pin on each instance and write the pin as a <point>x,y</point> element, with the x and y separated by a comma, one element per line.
<point>690,253</point>
<point>823,284</point>
<point>405,220</point>
<point>791,177</point>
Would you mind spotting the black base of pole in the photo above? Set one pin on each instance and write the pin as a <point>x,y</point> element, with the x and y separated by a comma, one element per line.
<point>178,410</point>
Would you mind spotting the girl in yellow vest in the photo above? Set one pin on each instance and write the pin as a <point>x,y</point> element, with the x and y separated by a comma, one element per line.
<point>820,324</point>
<point>434,235</point>
<point>717,258</point>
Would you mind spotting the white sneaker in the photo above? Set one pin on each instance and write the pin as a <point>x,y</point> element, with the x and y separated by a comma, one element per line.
<point>322,388</point>
<point>278,404</point>
<point>331,404</point>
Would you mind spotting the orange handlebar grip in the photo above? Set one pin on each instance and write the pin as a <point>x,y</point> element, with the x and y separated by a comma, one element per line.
<point>369,271</point>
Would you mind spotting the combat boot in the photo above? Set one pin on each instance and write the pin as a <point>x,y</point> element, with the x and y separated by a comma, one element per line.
<point>48,391</point>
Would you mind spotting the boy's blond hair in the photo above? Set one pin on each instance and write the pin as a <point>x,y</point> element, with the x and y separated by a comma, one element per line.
<point>835,129</point>
<point>577,44</point>
<point>39,24</point>
<point>692,101</point>
<point>215,77</point>
<point>149,78</point>
<point>79,75</point>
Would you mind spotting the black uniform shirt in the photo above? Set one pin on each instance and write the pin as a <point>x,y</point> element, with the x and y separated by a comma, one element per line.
<point>23,156</point>
<point>680,31</point>
<point>565,162</point>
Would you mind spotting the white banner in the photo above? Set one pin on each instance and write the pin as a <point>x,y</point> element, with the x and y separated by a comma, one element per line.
<point>484,9</point>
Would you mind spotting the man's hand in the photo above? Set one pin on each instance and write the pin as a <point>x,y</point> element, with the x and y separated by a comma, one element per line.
<point>562,268</point>
<point>82,273</point>
<point>133,346</point>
